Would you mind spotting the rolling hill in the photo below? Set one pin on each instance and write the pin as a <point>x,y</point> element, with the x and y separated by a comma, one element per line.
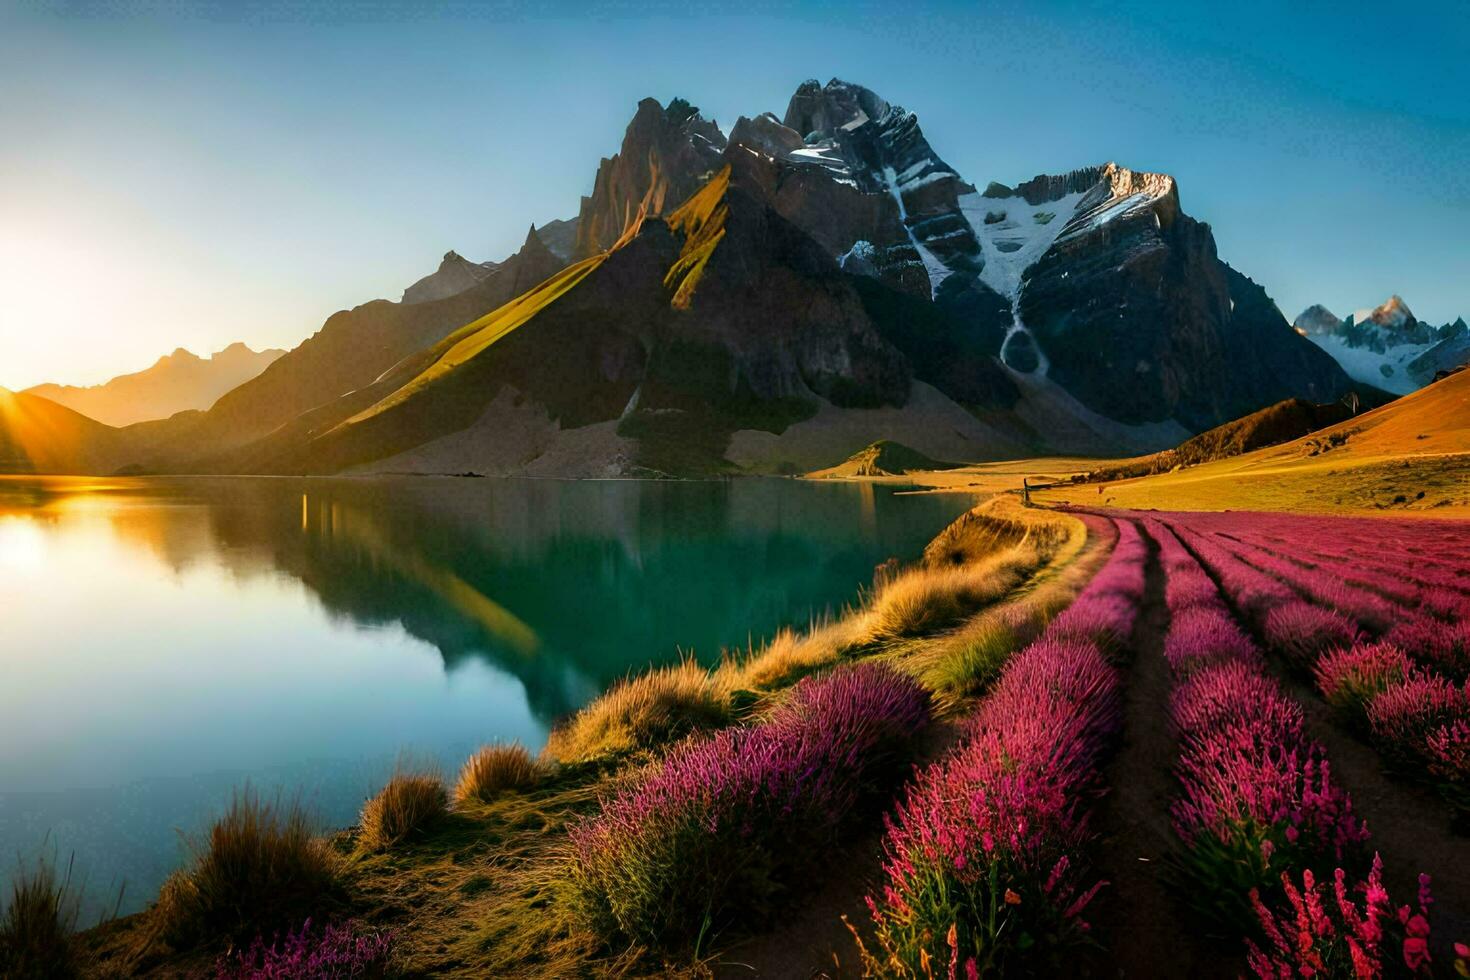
<point>1409,456</point>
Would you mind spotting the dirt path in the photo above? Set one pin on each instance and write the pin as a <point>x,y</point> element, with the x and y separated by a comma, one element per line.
<point>1139,922</point>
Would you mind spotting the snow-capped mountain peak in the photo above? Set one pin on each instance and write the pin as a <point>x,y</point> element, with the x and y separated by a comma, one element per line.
<point>1392,314</point>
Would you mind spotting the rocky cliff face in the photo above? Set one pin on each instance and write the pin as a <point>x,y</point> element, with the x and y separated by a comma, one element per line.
<point>667,153</point>
<point>1134,313</point>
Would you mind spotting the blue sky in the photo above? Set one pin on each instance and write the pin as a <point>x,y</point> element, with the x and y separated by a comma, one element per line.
<point>176,174</point>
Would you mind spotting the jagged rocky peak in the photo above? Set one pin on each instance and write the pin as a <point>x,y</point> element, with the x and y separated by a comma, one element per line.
<point>1316,320</point>
<point>860,138</point>
<point>1392,314</point>
<point>1107,192</point>
<point>454,275</point>
<point>817,111</point>
<point>668,151</point>
<point>767,135</point>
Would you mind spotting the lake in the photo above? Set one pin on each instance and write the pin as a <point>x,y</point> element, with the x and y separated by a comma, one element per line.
<point>165,641</point>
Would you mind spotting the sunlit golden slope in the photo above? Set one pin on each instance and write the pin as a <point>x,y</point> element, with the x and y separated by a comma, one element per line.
<point>40,436</point>
<point>474,337</point>
<point>1412,455</point>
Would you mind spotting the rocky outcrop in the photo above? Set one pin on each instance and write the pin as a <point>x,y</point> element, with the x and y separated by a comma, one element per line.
<point>1139,319</point>
<point>454,275</point>
<point>1316,320</point>
<point>882,149</point>
<point>667,153</point>
<point>1450,352</point>
<point>1387,346</point>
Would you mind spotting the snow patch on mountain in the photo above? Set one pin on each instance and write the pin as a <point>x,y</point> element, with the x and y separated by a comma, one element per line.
<point>936,269</point>
<point>1014,234</point>
<point>1387,370</point>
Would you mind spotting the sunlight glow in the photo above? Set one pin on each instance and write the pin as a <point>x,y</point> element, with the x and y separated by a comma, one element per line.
<point>22,544</point>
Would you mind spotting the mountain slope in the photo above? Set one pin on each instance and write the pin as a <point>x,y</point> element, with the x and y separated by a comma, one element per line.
<point>1410,456</point>
<point>350,352</point>
<point>1270,426</point>
<point>177,382</point>
<point>721,316</point>
<point>40,436</point>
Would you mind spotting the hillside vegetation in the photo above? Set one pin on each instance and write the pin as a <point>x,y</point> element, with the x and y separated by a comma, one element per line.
<point>1412,455</point>
<point>882,458</point>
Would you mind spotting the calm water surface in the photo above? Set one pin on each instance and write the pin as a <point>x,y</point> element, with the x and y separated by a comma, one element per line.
<point>165,641</point>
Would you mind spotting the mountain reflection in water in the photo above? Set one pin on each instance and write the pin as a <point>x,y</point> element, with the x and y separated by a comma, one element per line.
<point>168,639</point>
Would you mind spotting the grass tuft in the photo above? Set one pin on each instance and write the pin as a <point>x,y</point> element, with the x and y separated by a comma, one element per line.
<point>979,653</point>
<point>642,712</point>
<point>36,926</point>
<point>493,770</point>
<point>409,803</point>
<point>261,870</point>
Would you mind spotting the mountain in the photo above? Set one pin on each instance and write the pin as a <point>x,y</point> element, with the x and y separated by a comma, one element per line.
<point>668,152</point>
<point>454,275</point>
<point>718,317</point>
<point>177,382</point>
<point>1094,281</point>
<point>774,300</point>
<point>1387,346</point>
<point>40,436</point>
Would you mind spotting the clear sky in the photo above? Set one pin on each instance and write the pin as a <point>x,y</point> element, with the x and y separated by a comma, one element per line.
<point>191,174</point>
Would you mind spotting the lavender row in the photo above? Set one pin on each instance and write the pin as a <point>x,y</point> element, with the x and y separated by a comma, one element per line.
<point>984,857</point>
<point>1409,693</point>
<point>718,833</point>
<point>1259,809</point>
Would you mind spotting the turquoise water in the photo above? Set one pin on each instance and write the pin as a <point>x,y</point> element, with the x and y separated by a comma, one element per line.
<point>165,641</point>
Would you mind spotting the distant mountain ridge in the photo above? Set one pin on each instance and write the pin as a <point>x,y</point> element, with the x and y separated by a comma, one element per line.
<point>774,299</point>
<point>1387,346</point>
<point>177,382</point>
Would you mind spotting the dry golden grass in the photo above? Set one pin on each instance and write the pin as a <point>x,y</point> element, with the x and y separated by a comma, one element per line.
<point>407,805</point>
<point>492,771</point>
<point>261,870</point>
<point>789,657</point>
<point>37,924</point>
<point>1410,457</point>
<point>641,712</point>
<point>962,662</point>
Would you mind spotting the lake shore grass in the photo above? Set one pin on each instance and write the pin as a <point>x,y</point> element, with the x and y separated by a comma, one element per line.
<point>495,884</point>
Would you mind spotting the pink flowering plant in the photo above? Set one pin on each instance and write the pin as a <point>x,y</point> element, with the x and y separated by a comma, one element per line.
<point>1315,934</point>
<point>1350,678</point>
<point>718,833</point>
<point>1302,632</point>
<point>982,867</point>
<point>337,952</point>
<point>1443,647</point>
